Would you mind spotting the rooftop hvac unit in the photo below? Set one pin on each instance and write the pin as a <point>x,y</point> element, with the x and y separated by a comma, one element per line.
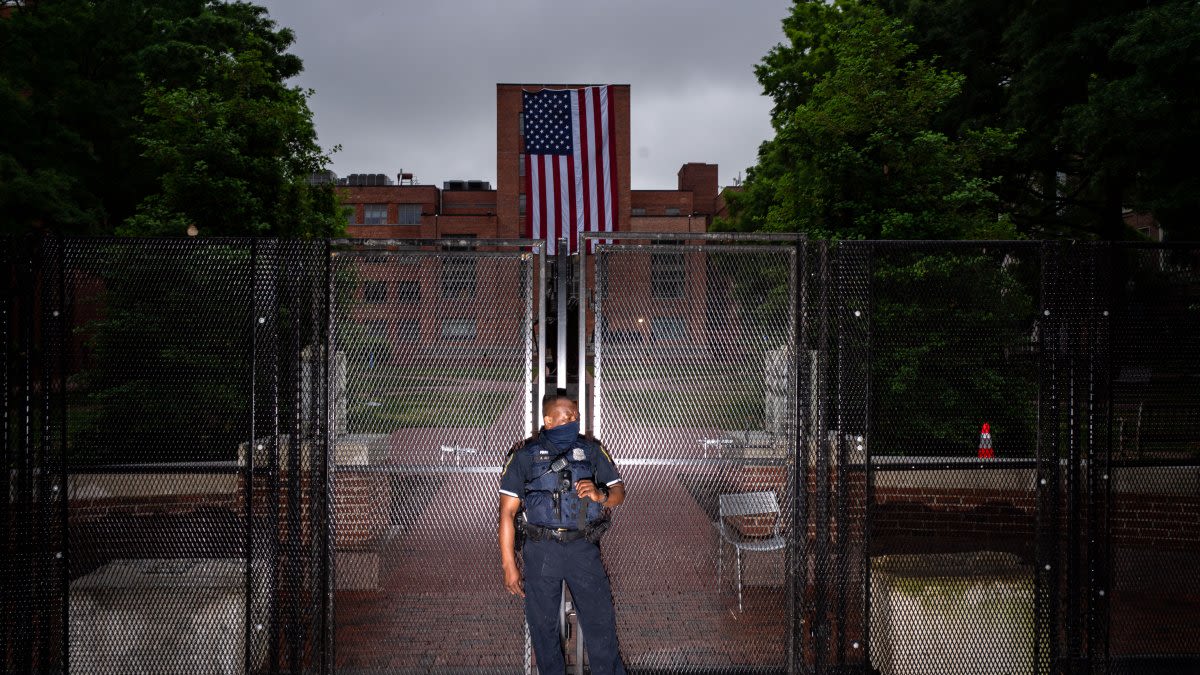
<point>454,185</point>
<point>381,179</point>
<point>477,185</point>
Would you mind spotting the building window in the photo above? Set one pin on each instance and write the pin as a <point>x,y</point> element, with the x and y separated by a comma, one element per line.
<point>521,164</point>
<point>521,124</point>
<point>408,330</point>
<point>408,292</point>
<point>668,329</point>
<point>459,273</point>
<point>667,275</point>
<point>521,203</point>
<point>351,216</point>
<point>458,329</point>
<point>672,211</point>
<point>375,292</point>
<point>637,211</point>
<point>408,214</point>
<point>374,214</point>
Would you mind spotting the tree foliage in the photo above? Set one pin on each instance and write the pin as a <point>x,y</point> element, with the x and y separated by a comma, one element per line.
<point>856,152</point>
<point>863,150</point>
<point>959,356</point>
<point>1070,114</point>
<point>1106,96</point>
<point>135,117</point>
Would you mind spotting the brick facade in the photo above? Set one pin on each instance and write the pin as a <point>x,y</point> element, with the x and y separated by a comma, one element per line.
<point>496,213</point>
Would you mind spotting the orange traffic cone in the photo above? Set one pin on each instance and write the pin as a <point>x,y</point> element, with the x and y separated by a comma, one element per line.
<point>985,441</point>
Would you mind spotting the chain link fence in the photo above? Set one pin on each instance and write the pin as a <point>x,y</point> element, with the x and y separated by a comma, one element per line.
<point>954,356</point>
<point>434,382</point>
<point>195,499</point>
<point>1147,580</point>
<point>895,457</point>
<point>694,380</point>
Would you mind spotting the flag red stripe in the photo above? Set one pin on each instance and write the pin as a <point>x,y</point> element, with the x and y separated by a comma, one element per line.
<point>598,139</point>
<point>559,220</point>
<point>581,95</point>
<point>612,159</point>
<point>572,197</point>
<point>526,184</point>
<point>547,232</point>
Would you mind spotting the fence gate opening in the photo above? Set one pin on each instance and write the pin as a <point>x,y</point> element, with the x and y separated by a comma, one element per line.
<point>693,392</point>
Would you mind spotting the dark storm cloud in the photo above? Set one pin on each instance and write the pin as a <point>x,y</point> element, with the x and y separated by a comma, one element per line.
<point>411,86</point>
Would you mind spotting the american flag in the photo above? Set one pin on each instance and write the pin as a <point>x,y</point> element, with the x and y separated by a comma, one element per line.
<point>570,164</point>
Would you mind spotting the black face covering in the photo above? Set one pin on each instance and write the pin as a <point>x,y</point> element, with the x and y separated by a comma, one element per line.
<point>563,435</point>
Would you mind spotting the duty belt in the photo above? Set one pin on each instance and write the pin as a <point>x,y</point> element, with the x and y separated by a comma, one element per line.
<point>561,535</point>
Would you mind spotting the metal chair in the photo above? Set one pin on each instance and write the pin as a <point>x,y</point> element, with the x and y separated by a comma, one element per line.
<point>746,504</point>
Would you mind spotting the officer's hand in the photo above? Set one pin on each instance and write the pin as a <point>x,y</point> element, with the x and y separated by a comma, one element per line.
<point>587,489</point>
<point>512,582</point>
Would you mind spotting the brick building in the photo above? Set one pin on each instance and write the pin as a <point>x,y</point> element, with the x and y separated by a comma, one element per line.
<point>389,307</point>
<point>383,207</point>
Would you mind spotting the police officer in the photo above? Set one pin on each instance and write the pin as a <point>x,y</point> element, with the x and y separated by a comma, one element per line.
<point>567,483</point>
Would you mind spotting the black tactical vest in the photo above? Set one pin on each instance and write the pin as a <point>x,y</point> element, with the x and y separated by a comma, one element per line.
<point>539,492</point>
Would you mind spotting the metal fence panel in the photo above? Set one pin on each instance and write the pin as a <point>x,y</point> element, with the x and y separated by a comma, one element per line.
<point>954,360</point>
<point>285,458</point>
<point>694,396</point>
<point>274,456</point>
<point>158,403</point>
<point>432,384</point>
<point>33,592</point>
<point>1154,496</point>
<point>839,330</point>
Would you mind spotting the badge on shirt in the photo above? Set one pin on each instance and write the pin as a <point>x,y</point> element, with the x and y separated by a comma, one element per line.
<point>578,455</point>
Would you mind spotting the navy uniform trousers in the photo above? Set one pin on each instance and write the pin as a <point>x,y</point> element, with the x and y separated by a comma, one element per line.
<point>547,564</point>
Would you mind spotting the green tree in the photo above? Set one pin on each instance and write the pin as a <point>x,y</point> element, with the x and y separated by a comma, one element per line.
<point>862,151</point>
<point>961,355</point>
<point>1106,96</point>
<point>136,117</point>
<point>856,152</point>
<point>141,118</point>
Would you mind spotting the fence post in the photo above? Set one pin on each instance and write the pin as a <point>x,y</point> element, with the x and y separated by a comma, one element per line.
<point>1099,445</point>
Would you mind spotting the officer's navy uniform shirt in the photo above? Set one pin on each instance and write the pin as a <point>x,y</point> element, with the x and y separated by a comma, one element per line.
<point>587,460</point>
<point>549,563</point>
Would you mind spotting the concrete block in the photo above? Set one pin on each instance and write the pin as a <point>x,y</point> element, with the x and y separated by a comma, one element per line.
<point>973,613</point>
<point>178,616</point>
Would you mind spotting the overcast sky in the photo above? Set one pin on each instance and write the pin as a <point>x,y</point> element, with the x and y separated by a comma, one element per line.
<point>412,85</point>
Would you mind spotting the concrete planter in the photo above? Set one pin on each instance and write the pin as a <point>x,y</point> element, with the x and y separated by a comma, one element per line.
<point>180,616</point>
<point>952,613</point>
